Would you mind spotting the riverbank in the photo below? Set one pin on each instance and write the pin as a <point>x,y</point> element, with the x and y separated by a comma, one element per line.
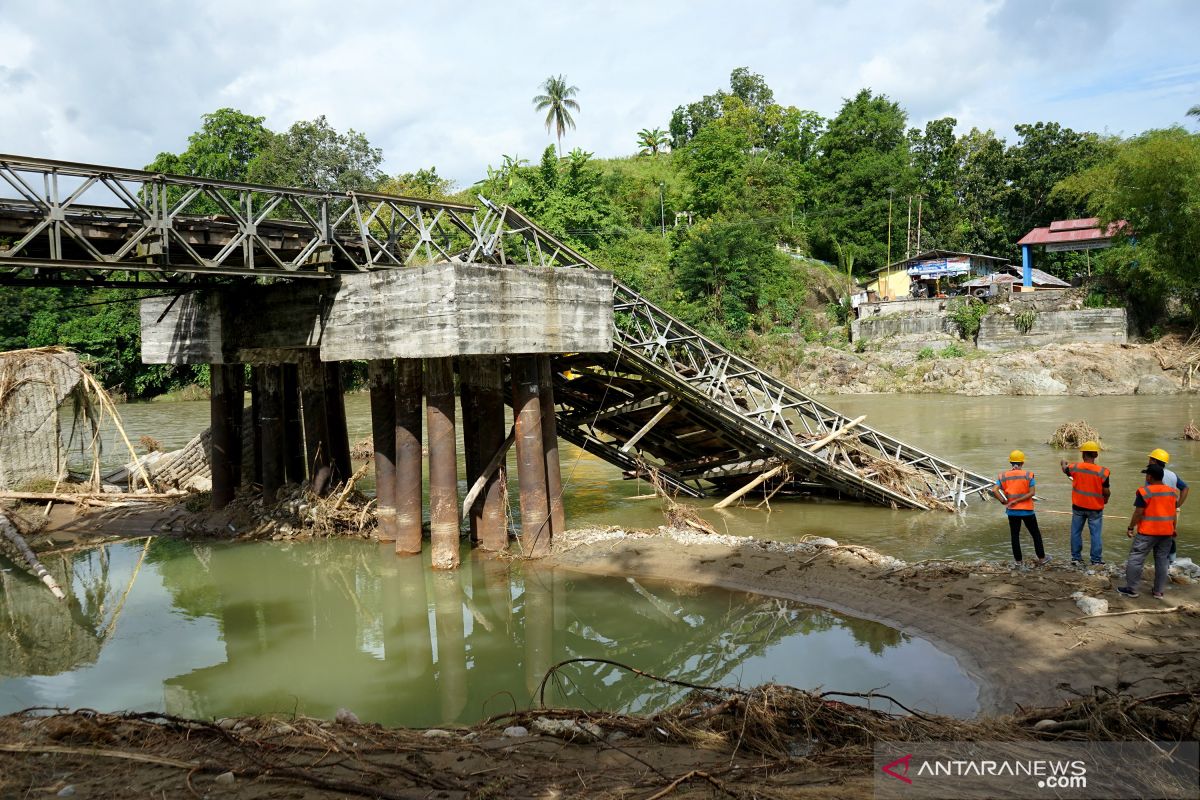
<point>950,366</point>
<point>1042,667</point>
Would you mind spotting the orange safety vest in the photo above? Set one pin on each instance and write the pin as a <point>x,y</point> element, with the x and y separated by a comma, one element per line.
<point>1087,484</point>
<point>1015,482</point>
<point>1158,517</point>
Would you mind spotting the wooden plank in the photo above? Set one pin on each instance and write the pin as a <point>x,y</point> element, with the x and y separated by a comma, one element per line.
<point>649,426</point>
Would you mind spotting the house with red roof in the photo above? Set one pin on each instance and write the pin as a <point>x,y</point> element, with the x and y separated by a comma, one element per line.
<point>1066,234</point>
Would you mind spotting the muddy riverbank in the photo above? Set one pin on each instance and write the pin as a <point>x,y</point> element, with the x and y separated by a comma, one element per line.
<point>1071,370</point>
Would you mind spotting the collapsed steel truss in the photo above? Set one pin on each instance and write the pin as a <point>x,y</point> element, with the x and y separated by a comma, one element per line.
<point>667,400</point>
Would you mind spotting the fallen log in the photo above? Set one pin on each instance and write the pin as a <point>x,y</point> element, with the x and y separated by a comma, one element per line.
<point>17,543</point>
<point>71,497</point>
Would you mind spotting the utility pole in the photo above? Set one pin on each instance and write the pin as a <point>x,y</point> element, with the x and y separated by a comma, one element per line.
<point>662,212</point>
<point>889,257</point>
<point>908,232</point>
<point>920,197</point>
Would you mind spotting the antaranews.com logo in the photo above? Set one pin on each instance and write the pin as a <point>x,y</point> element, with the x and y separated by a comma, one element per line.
<point>1084,770</point>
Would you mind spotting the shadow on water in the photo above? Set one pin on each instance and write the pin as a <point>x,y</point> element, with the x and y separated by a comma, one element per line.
<point>312,627</point>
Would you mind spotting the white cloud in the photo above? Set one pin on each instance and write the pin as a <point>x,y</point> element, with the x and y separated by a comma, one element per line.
<point>450,85</point>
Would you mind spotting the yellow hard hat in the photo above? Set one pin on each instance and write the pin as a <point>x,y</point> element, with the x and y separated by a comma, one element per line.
<point>1017,456</point>
<point>1089,447</point>
<point>1158,454</point>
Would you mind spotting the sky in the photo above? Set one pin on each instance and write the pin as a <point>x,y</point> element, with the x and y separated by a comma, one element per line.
<point>450,85</point>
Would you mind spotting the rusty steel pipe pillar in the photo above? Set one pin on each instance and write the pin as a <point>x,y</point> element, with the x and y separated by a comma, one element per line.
<point>482,380</point>
<point>254,476</point>
<point>381,376</point>
<point>271,425</point>
<point>409,390</point>
<point>293,430</point>
<point>531,457</point>
<point>316,422</point>
<point>335,411</point>
<point>443,462</point>
<point>558,518</point>
<point>226,386</point>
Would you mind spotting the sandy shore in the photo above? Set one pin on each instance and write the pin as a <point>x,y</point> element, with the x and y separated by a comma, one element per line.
<point>1019,634</point>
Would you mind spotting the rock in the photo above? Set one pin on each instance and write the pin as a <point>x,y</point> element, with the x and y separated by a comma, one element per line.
<point>345,716</point>
<point>227,723</point>
<point>567,728</point>
<point>225,778</point>
<point>1156,384</point>
<point>822,541</point>
<point>1185,566</point>
<point>1044,724</point>
<point>437,733</point>
<point>516,731</point>
<point>67,791</point>
<point>1090,606</point>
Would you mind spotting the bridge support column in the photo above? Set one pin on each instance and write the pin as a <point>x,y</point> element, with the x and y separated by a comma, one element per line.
<point>316,422</point>
<point>482,380</point>
<point>531,457</point>
<point>335,411</point>
<point>558,522</point>
<point>443,462</point>
<point>381,375</point>
<point>271,426</point>
<point>409,389</point>
<point>227,384</point>
<point>293,431</point>
<point>252,470</point>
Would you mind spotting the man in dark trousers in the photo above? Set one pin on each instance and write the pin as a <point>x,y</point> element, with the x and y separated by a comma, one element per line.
<point>1015,488</point>
<point>1089,494</point>
<point>1152,528</point>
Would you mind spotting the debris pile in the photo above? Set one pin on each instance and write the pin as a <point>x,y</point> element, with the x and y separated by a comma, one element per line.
<point>1070,435</point>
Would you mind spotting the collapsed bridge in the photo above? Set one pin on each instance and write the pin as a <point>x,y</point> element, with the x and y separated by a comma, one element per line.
<point>274,275</point>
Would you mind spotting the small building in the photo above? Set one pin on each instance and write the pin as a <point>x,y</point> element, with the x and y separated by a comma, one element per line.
<point>1065,234</point>
<point>928,274</point>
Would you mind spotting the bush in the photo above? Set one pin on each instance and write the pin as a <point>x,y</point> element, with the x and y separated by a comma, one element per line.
<point>967,313</point>
<point>1023,320</point>
<point>925,353</point>
<point>860,346</point>
<point>951,350</point>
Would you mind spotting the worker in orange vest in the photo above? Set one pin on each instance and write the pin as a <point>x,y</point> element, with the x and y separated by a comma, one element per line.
<point>1089,494</point>
<point>1152,528</point>
<point>1015,488</point>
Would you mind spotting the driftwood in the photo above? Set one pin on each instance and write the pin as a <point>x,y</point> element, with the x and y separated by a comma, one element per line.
<point>26,557</point>
<point>491,467</point>
<point>70,497</point>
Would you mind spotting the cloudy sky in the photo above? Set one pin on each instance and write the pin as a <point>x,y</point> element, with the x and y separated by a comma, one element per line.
<point>450,84</point>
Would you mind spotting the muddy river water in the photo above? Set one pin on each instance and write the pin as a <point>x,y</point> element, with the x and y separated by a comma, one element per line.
<point>214,630</point>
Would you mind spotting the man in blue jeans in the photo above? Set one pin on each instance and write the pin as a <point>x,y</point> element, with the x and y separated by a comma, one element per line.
<point>1089,494</point>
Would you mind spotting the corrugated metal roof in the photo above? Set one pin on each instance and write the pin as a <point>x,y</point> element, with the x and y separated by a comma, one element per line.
<point>1071,231</point>
<point>1040,278</point>
<point>938,254</point>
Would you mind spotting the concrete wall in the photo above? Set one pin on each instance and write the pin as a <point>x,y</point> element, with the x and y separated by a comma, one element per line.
<point>882,327</point>
<point>418,312</point>
<point>30,442</point>
<point>930,306</point>
<point>1086,325</point>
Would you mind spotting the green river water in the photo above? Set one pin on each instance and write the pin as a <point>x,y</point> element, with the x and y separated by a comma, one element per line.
<point>215,630</point>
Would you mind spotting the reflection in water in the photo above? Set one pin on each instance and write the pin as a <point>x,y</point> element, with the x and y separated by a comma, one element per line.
<point>312,627</point>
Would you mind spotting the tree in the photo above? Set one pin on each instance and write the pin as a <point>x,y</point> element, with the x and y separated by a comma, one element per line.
<point>557,103</point>
<point>864,156</point>
<point>980,190</point>
<point>312,155</point>
<point>652,142</point>
<point>227,142</point>
<point>1152,182</point>
<point>936,159</point>
<point>1194,111</point>
<point>424,183</point>
<point>1044,155</point>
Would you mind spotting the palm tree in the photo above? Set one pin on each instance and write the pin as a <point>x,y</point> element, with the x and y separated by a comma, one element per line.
<point>557,103</point>
<point>1194,111</point>
<point>652,142</point>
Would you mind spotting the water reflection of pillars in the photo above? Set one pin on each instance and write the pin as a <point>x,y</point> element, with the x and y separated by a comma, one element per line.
<point>451,642</point>
<point>381,374</point>
<point>539,626</point>
<point>406,640</point>
<point>227,384</point>
<point>443,462</point>
<point>409,388</point>
<point>482,389</point>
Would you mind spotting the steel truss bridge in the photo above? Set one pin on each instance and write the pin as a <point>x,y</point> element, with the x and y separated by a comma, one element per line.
<point>666,400</point>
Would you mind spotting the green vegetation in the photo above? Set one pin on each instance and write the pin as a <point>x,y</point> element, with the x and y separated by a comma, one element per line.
<point>925,354</point>
<point>1023,320</point>
<point>951,350</point>
<point>967,314</point>
<point>749,218</point>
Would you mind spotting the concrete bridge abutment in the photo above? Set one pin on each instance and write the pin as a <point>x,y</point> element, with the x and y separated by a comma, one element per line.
<point>415,328</point>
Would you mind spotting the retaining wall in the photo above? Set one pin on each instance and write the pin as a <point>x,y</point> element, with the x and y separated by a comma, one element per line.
<point>881,327</point>
<point>1085,325</point>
